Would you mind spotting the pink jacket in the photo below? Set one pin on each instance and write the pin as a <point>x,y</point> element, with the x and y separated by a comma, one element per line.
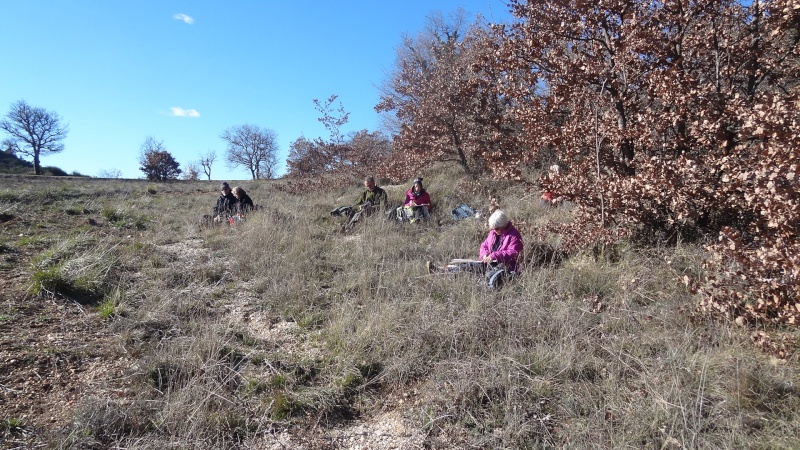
<point>421,199</point>
<point>510,248</point>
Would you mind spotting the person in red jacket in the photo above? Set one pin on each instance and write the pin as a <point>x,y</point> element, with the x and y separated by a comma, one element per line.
<point>417,203</point>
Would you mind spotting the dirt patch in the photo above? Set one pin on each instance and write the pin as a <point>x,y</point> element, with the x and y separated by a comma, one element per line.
<point>52,351</point>
<point>387,431</point>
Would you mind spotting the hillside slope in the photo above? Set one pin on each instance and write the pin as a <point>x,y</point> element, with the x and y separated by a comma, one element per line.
<point>125,323</point>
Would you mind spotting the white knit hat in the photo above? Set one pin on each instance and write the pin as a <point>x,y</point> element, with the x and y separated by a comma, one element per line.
<point>498,219</point>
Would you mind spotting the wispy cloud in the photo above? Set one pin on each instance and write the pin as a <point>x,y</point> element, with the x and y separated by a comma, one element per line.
<point>180,112</point>
<point>184,18</point>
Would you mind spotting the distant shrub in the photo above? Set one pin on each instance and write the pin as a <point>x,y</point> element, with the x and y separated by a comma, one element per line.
<point>54,171</point>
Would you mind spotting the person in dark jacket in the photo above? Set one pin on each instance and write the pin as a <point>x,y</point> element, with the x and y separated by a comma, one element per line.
<point>244,204</point>
<point>225,203</point>
<point>371,200</point>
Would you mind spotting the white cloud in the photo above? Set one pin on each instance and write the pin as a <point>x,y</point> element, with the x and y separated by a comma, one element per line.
<point>180,112</point>
<point>184,18</point>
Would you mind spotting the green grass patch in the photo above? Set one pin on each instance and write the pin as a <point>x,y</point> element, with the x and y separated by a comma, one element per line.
<point>9,197</point>
<point>54,280</point>
<point>121,219</point>
<point>33,241</point>
<point>255,387</point>
<point>107,308</point>
<point>12,425</point>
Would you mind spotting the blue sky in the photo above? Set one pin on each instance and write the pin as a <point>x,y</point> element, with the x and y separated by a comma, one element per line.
<point>119,71</point>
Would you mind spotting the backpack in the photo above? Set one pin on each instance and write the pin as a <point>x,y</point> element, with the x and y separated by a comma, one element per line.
<point>462,211</point>
<point>497,276</point>
<point>342,211</point>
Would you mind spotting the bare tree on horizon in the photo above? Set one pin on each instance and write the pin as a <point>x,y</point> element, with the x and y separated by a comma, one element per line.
<point>34,131</point>
<point>252,147</point>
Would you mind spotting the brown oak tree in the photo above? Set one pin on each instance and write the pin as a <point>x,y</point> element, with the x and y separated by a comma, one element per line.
<point>156,162</point>
<point>444,104</point>
<point>340,156</point>
<point>671,119</point>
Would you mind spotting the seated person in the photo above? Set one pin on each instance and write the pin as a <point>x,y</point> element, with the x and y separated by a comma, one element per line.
<point>549,197</point>
<point>371,200</point>
<point>501,249</point>
<point>373,197</point>
<point>244,204</point>
<point>225,203</point>
<point>417,204</point>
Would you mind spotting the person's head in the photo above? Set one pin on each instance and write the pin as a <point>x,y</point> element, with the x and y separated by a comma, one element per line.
<point>238,192</point>
<point>417,187</point>
<point>498,221</point>
<point>225,189</point>
<point>369,183</point>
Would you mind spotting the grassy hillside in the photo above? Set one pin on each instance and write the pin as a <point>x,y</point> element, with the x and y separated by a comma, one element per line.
<point>123,324</point>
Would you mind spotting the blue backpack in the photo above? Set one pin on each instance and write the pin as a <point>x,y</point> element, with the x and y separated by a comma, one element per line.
<point>462,211</point>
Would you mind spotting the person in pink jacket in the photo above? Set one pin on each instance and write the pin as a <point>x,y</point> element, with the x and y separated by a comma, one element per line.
<point>417,203</point>
<point>502,249</point>
<point>503,245</point>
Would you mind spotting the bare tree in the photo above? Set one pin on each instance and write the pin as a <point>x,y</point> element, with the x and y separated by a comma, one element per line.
<point>34,131</point>
<point>320,156</point>
<point>156,162</point>
<point>110,173</point>
<point>191,172</point>
<point>9,147</point>
<point>206,161</point>
<point>252,147</point>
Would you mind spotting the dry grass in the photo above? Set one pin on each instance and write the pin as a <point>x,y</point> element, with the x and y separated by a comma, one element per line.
<point>286,323</point>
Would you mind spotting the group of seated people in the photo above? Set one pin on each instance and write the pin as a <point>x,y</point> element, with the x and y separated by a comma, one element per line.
<point>232,203</point>
<point>416,206</point>
<point>499,254</point>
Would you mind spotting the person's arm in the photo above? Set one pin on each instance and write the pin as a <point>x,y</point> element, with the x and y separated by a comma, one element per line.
<point>486,246</point>
<point>383,199</point>
<point>361,200</point>
<point>509,250</point>
<point>424,199</point>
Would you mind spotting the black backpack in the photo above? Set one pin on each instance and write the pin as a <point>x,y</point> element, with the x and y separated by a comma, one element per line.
<point>496,277</point>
